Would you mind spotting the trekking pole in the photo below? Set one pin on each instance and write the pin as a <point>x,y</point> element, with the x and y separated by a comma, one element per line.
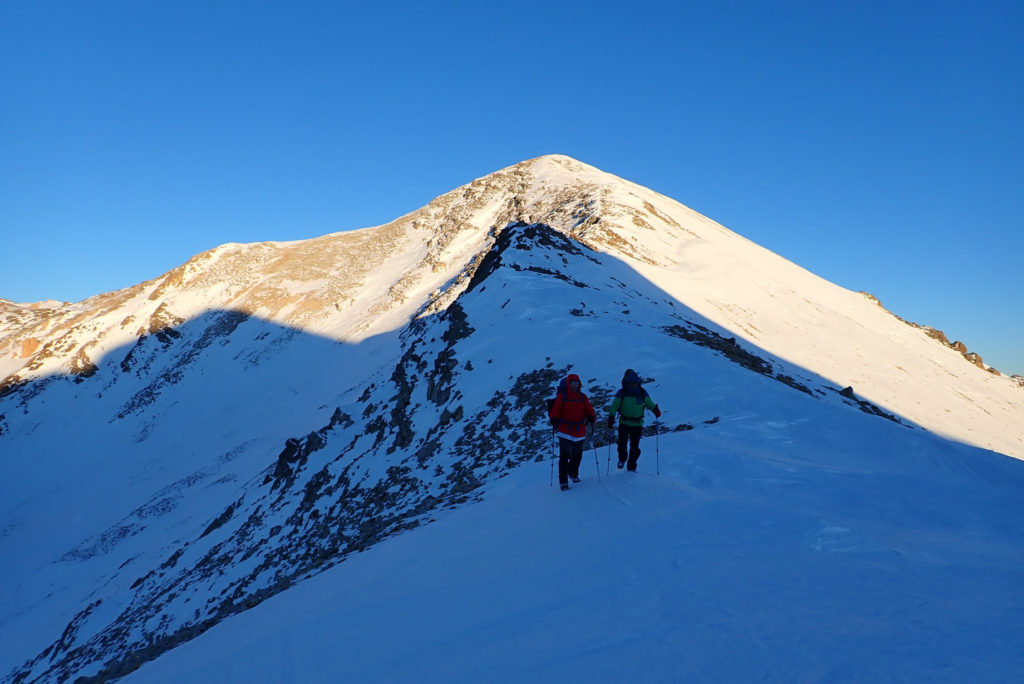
<point>597,465</point>
<point>552,483</point>
<point>657,446</point>
<point>608,469</point>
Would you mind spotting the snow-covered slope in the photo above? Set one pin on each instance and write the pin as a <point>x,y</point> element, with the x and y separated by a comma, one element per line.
<point>767,549</point>
<point>176,453</point>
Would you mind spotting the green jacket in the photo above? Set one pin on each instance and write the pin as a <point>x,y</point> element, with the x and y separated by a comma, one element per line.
<point>630,407</point>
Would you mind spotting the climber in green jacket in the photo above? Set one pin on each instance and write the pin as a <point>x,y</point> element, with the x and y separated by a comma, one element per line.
<point>629,403</point>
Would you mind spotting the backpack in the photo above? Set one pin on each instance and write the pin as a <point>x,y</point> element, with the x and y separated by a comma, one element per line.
<point>631,376</point>
<point>638,402</point>
<point>562,391</point>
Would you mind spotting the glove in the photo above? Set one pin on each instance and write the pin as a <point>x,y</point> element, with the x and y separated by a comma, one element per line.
<point>590,420</point>
<point>657,412</point>
<point>554,422</point>
<point>611,422</point>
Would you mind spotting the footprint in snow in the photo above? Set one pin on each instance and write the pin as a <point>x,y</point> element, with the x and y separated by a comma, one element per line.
<point>835,539</point>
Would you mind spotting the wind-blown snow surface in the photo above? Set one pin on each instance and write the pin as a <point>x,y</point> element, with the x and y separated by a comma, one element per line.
<point>768,548</point>
<point>207,444</point>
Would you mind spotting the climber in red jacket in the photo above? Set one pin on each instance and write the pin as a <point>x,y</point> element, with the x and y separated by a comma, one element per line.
<point>570,414</point>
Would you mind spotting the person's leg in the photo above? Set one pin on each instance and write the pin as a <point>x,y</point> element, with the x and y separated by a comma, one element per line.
<point>634,446</point>
<point>564,454</point>
<point>621,444</point>
<point>577,458</point>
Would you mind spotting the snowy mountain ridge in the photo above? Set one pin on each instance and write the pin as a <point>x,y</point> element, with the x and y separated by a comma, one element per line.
<point>257,415</point>
<point>349,285</point>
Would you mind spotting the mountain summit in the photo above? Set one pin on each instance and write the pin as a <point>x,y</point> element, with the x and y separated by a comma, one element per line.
<point>350,285</point>
<point>178,452</point>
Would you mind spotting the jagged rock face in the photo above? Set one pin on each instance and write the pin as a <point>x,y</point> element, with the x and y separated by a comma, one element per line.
<point>263,411</point>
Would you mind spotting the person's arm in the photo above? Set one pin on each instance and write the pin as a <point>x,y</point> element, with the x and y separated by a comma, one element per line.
<point>556,410</point>
<point>616,403</point>
<point>649,403</point>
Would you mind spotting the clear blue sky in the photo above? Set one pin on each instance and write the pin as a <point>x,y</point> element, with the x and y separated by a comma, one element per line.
<point>878,144</point>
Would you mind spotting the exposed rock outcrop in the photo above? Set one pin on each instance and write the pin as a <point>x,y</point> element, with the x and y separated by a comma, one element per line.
<point>29,347</point>
<point>940,336</point>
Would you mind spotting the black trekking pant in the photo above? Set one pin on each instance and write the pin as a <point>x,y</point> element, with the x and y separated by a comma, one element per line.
<point>630,433</point>
<point>570,454</point>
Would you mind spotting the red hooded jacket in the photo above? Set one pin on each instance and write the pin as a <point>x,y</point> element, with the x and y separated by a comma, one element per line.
<point>572,410</point>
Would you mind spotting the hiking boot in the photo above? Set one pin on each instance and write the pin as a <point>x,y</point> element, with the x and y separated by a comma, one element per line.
<point>574,478</point>
<point>564,486</point>
<point>621,464</point>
